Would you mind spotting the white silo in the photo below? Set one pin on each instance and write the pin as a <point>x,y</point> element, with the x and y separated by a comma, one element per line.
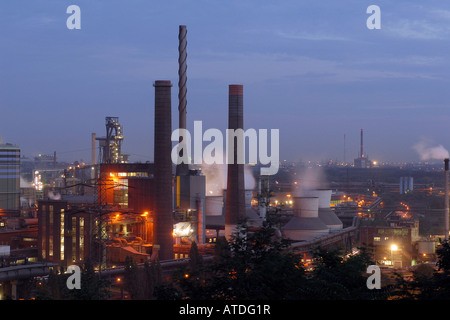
<point>305,224</point>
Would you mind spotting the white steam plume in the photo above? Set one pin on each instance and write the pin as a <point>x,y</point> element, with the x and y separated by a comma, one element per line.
<point>311,178</point>
<point>427,151</point>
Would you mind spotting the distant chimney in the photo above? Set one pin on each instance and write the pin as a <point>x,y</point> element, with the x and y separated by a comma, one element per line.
<point>94,149</point>
<point>163,220</point>
<point>362,144</point>
<point>235,201</point>
<point>446,205</point>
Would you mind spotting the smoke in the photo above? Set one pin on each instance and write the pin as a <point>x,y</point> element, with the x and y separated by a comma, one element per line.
<point>427,151</point>
<point>25,184</point>
<point>310,178</point>
<point>54,196</point>
<point>216,178</point>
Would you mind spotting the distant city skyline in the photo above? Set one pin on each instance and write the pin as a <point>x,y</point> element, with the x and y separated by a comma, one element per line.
<point>311,69</point>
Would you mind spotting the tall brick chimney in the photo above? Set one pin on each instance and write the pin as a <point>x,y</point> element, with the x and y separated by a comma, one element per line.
<point>163,219</point>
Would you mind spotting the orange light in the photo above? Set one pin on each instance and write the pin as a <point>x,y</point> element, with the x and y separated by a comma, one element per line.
<point>118,279</point>
<point>144,214</point>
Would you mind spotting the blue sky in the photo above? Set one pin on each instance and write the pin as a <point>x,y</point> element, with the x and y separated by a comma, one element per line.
<point>309,68</point>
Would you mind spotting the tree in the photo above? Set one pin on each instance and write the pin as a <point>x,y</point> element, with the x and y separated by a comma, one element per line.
<point>142,281</point>
<point>93,287</point>
<point>253,265</point>
<point>427,284</point>
<point>337,276</point>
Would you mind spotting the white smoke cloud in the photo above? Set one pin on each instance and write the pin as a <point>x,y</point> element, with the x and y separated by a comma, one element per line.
<point>54,196</point>
<point>25,184</point>
<point>216,178</point>
<point>428,151</point>
<point>310,178</point>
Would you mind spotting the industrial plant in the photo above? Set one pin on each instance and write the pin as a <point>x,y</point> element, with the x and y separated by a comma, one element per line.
<point>111,209</point>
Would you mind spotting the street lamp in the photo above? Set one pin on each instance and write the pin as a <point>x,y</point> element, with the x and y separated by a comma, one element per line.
<point>394,247</point>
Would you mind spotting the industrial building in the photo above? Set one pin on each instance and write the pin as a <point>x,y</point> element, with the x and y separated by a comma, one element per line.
<point>9,178</point>
<point>64,232</point>
<point>110,146</point>
<point>393,240</point>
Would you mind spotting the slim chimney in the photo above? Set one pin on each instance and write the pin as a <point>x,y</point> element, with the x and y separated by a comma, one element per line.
<point>182,168</point>
<point>163,220</point>
<point>362,151</point>
<point>446,213</point>
<point>235,202</point>
<point>94,149</point>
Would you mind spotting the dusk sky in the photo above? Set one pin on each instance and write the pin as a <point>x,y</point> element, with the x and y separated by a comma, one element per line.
<point>311,69</point>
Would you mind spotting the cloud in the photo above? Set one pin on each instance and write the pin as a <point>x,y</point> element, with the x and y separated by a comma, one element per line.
<point>418,30</point>
<point>311,36</point>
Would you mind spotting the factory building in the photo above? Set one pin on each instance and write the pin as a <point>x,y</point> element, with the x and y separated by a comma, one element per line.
<point>110,146</point>
<point>9,178</point>
<point>117,182</point>
<point>64,232</point>
<point>394,241</point>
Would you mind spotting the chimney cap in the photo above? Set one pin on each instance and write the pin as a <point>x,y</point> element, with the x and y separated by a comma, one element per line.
<point>162,83</point>
<point>236,89</point>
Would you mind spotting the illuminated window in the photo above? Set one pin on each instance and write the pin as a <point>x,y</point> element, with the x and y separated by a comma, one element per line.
<point>376,239</point>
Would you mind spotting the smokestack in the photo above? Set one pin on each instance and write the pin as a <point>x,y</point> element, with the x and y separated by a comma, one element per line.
<point>182,168</point>
<point>362,151</point>
<point>235,201</point>
<point>446,213</point>
<point>94,149</point>
<point>163,221</point>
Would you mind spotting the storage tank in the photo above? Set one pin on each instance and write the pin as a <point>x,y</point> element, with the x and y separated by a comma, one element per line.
<point>305,225</point>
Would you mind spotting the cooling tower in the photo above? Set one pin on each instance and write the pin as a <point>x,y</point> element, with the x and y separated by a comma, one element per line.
<point>235,196</point>
<point>305,225</point>
<point>325,213</point>
<point>163,220</point>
